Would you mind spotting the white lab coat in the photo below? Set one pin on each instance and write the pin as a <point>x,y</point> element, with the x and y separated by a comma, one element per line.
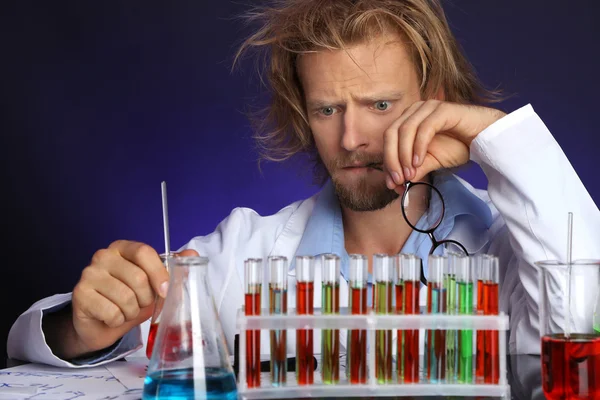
<point>531,188</point>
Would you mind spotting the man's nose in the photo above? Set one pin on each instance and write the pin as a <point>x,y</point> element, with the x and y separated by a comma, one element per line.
<point>354,135</point>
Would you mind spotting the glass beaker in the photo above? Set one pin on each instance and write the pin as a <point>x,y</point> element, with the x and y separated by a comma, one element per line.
<point>570,349</point>
<point>190,359</point>
<point>158,306</point>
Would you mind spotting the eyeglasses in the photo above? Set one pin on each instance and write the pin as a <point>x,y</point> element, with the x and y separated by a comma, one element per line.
<point>416,211</point>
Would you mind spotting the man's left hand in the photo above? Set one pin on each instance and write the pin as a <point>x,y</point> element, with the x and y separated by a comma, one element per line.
<point>430,135</point>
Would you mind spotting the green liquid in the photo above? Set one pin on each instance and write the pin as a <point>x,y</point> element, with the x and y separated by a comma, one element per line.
<point>465,337</point>
<point>330,348</point>
<point>451,335</point>
<point>383,338</point>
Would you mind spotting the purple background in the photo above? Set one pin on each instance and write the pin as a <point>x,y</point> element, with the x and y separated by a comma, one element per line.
<point>102,101</point>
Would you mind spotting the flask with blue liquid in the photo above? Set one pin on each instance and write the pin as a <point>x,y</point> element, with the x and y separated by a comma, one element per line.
<point>190,358</point>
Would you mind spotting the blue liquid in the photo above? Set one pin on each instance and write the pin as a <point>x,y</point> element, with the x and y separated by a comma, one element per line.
<point>179,385</point>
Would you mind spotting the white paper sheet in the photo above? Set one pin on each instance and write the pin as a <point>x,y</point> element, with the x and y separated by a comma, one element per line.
<point>130,373</point>
<point>42,382</point>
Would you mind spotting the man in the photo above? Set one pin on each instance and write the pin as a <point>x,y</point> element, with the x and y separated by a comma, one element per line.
<point>380,94</point>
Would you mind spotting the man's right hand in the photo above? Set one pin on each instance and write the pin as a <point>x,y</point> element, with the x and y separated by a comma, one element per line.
<point>116,292</point>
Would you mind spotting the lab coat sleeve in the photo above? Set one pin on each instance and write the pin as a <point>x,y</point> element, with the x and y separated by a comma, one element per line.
<point>26,340</point>
<point>534,187</point>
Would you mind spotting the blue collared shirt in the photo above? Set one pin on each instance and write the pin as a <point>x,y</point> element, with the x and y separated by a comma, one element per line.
<point>324,232</point>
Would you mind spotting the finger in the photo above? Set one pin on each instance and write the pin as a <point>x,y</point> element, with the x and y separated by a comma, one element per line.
<point>97,307</point>
<point>429,164</point>
<point>147,259</point>
<point>136,279</point>
<point>188,253</point>
<point>441,119</point>
<point>406,136</point>
<point>390,159</point>
<point>390,148</point>
<point>114,290</point>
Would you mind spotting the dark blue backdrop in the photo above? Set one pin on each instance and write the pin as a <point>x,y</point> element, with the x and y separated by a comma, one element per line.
<point>102,101</point>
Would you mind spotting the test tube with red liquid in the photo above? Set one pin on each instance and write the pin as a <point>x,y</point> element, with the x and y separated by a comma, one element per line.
<point>252,306</point>
<point>491,362</point>
<point>356,348</point>
<point>305,292</point>
<point>278,266</point>
<point>478,270</point>
<point>158,306</point>
<point>399,289</point>
<point>383,266</point>
<point>411,273</point>
<point>435,346</point>
<point>330,304</point>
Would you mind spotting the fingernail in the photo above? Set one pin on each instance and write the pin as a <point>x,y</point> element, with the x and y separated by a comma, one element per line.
<point>407,173</point>
<point>396,177</point>
<point>164,288</point>
<point>416,161</point>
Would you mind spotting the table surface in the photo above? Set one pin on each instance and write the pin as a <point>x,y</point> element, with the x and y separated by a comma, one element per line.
<point>523,373</point>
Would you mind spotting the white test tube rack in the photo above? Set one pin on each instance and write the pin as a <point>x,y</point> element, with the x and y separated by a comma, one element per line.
<point>372,322</point>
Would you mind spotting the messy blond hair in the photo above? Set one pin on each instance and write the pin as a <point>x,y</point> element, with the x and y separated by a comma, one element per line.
<point>289,28</point>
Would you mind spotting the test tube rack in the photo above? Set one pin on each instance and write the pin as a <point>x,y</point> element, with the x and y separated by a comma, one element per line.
<point>372,322</point>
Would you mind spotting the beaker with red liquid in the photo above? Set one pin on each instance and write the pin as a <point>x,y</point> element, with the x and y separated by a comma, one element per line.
<point>570,348</point>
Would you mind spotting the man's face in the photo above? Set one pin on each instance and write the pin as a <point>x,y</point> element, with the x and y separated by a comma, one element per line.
<point>351,99</point>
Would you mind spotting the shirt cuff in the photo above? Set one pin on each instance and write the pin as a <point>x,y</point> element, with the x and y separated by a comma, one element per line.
<point>128,344</point>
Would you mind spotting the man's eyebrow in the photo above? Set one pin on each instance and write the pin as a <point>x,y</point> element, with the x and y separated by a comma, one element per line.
<point>367,98</point>
<point>371,98</point>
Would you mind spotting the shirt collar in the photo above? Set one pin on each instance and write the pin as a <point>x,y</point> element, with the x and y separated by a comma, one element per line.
<point>324,232</point>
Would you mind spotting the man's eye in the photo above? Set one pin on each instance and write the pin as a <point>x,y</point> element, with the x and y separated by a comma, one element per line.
<point>382,105</point>
<point>327,111</point>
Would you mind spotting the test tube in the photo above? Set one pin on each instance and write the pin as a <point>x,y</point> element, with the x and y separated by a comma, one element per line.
<point>252,306</point>
<point>305,292</point>
<point>464,275</point>
<point>383,266</point>
<point>356,353</point>
<point>451,334</point>
<point>491,360</point>
<point>330,304</point>
<point>278,266</point>
<point>399,289</point>
<point>435,348</point>
<point>158,306</point>
<point>479,271</point>
<point>411,273</point>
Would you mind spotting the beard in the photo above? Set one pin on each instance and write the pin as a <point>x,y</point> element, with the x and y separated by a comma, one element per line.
<point>365,192</point>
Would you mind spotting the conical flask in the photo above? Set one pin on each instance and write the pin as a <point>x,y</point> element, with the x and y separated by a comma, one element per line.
<point>190,359</point>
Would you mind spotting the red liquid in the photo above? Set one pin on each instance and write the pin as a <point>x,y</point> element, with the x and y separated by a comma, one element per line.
<point>571,368</point>
<point>252,307</point>
<point>479,356</point>
<point>358,339</point>
<point>400,338</point>
<point>411,337</point>
<point>151,338</point>
<point>491,361</point>
<point>177,341</point>
<point>304,337</point>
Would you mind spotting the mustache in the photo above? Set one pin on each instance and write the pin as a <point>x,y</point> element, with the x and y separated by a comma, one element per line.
<point>368,160</point>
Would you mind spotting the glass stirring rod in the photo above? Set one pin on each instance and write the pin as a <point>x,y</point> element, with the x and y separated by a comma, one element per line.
<point>158,301</point>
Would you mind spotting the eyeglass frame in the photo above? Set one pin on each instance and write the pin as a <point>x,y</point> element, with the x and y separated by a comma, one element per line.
<point>434,242</point>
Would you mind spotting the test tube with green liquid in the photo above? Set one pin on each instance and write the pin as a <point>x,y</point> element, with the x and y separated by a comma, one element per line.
<point>464,267</point>
<point>330,304</point>
<point>451,334</point>
<point>383,266</point>
<point>435,345</point>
